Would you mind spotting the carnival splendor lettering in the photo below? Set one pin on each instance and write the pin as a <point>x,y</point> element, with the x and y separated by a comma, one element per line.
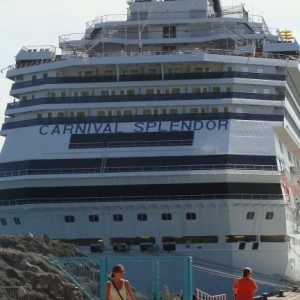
<point>90,128</point>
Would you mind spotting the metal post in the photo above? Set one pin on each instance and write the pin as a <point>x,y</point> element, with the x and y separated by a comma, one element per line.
<point>103,277</point>
<point>187,278</point>
<point>155,292</point>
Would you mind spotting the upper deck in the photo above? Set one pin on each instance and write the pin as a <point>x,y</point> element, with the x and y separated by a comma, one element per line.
<point>154,27</point>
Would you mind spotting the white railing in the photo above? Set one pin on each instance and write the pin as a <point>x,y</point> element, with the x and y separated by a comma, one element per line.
<point>200,295</point>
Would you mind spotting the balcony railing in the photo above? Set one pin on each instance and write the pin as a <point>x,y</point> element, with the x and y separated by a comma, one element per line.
<point>239,168</point>
<point>133,98</point>
<point>146,77</point>
<point>123,199</point>
<point>192,52</point>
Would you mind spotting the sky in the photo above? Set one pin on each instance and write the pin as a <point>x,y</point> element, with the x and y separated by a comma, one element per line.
<point>41,22</point>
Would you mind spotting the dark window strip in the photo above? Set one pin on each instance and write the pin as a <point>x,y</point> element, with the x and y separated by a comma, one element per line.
<point>136,164</point>
<point>142,139</point>
<point>151,192</point>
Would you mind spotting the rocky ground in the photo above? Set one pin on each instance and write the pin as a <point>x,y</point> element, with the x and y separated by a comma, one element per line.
<point>25,268</point>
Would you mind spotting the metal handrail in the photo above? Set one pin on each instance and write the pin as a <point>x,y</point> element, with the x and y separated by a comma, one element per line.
<point>94,53</point>
<point>143,168</point>
<point>122,199</point>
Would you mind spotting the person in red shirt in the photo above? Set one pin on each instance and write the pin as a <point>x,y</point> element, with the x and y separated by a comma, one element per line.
<point>245,286</point>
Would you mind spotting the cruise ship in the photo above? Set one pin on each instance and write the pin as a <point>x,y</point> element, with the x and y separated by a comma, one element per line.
<point>172,129</point>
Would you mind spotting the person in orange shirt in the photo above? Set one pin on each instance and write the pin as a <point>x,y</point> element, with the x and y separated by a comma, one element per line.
<point>244,287</point>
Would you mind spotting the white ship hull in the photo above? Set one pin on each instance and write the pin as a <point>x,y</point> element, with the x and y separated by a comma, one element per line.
<point>172,148</point>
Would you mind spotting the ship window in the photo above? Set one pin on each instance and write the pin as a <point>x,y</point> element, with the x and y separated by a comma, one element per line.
<point>194,110</point>
<point>122,93</point>
<point>242,246</point>
<point>149,92</point>
<point>158,92</point>
<point>204,90</point>
<point>240,238</point>
<point>214,110</point>
<point>190,216</point>
<point>226,110</point>
<point>109,113</point>
<point>250,215</point>
<point>58,74</point>
<point>72,114</point>
<point>152,71</point>
<point>164,111</point>
<point>60,114</point>
<point>228,89</point>
<point>274,238</point>
<point>173,111</point>
<point>24,98</point>
<point>3,221</point>
<point>130,92</point>
<point>45,75</point>
<point>52,95</point>
<point>34,77</point>
<point>39,115</point>
<point>69,219</point>
<point>101,113</point>
<point>175,90</point>
<point>198,70</point>
<point>49,115</point>
<point>119,113</point>
<point>93,218</point>
<point>169,32</point>
<point>84,93</point>
<point>80,114</point>
<point>105,93</point>
<point>166,216</point>
<point>146,112</point>
<point>17,221</point>
<point>76,94</point>
<point>167,91</point>
<point>142,217</point>
<point>196,90</point>
<point>118,218</point>
<point>113,93</point>
<point>216,89</point>
<point>269,215</point>
<point>88,73</point>
<point>19,77</point>
<point>202,110</point>
<point>127,112</point>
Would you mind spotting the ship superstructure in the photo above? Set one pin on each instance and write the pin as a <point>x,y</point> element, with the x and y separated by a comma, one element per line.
<point>174,129</point>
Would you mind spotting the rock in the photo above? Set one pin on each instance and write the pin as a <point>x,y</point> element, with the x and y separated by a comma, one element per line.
<point>25,266</point>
